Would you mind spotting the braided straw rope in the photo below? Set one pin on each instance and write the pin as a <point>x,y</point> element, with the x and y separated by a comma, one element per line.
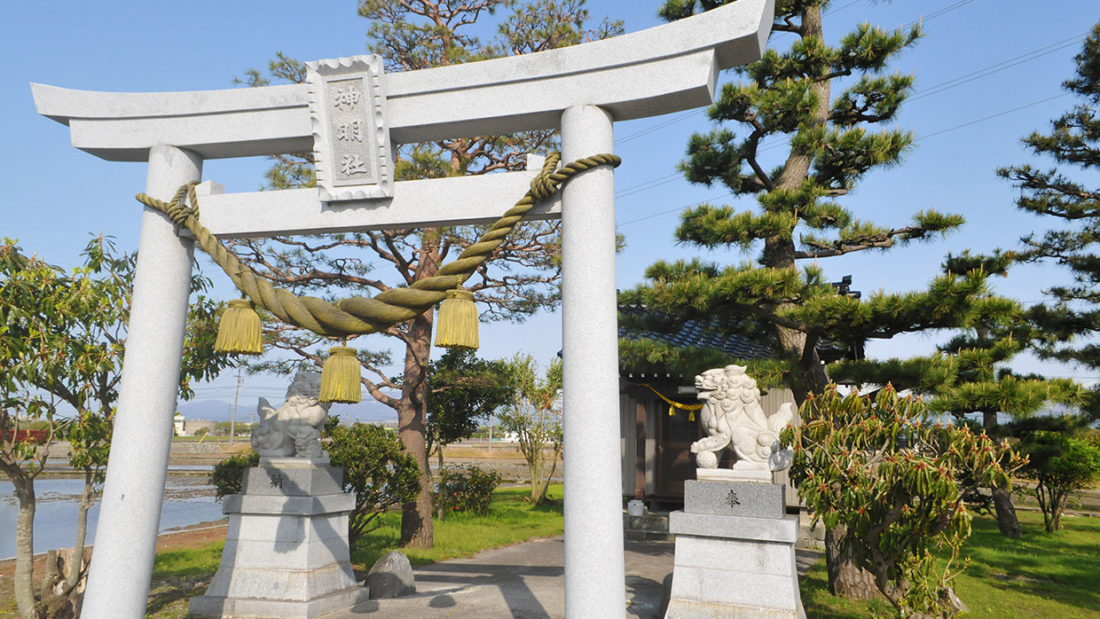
<point>360,315</point>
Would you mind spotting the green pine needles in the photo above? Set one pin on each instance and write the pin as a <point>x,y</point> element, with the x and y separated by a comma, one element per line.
<point>832,140</point>
<point>1065,193</point>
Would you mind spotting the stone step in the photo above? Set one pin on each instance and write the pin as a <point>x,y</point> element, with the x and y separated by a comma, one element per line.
<point>648,527</point>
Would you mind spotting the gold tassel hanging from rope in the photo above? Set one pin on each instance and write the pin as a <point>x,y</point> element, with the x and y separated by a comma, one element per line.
<point>673,406</point>
<point>457,326</point>
<point>239,329</point>
<point>691,413</point>
<point>340,376</point>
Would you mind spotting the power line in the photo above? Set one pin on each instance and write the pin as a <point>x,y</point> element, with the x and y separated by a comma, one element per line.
<point>979,73</point>
<point>671,210</point>
<point>940,12</point>
<point>985,118</point>
<point>841,8</point>
<point>650,184</point>
<point>925,92</point>
<point>997,67</point>
<point>924,137</point>
<point>661,125</point>
<point>696,112</point>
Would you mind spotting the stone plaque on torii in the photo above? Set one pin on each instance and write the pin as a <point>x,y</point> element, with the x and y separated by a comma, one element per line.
<point>580,90</point>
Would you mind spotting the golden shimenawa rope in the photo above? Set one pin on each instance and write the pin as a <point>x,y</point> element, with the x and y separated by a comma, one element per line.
<point>360,315</point>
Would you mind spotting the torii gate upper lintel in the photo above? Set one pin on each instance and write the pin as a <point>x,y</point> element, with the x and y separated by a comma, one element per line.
<point>580,90</point>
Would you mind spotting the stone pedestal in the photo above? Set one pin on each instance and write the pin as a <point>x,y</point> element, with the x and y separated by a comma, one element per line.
<point>286,550</point>
<point>734,552</point>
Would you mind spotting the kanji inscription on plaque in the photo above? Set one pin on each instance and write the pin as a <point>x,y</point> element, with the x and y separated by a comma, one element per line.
<point>350,140</point>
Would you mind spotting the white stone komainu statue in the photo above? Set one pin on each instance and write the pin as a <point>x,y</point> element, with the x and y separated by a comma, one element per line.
<point>294,429</point>
<point>734,419</point>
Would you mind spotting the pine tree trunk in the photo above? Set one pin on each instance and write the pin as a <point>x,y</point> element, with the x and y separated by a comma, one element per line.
<point>1057,506</point>
<point>416,517</point>
<point>1006,512</point>
<point>24,548</point>
<point>779,250</point>
<point>845,579</point>
<point>1002,496</point>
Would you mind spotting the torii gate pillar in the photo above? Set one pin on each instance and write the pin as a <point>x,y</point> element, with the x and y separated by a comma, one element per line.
<point>140,443</point>
<point>594,572</point>
<point>579,89</point>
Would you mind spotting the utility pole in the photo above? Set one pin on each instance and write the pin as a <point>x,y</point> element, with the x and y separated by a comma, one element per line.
<point>236,398</point>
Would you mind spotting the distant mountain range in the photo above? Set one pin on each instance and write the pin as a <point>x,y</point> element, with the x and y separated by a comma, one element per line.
<point>367,411</point>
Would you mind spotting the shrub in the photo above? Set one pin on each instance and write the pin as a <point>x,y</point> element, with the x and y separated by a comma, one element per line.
<point>228,474</point>
<point>884,481</point>
<point>465,489</point>
<point>377,469</point>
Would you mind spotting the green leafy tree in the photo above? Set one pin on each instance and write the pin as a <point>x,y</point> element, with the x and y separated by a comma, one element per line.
<point>1074,145</point>
<point>827,143</point>
<point>463,391</point>
<point>881,471</point>
<point>1061,460</point>
<point>521,276</point>
<point>535,416</point>
<point>61,338</point>
<point>377,469</point>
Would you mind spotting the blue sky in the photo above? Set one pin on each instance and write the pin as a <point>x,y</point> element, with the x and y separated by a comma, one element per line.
<point>988,72</point>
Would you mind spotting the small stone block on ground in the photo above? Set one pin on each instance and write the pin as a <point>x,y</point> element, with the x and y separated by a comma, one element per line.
<point>391,577</point>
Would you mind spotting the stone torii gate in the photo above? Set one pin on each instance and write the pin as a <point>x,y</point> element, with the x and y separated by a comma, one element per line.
<point>580,90</point>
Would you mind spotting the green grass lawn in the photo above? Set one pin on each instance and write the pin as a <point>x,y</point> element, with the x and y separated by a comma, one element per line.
<point>511,519</point>
<point>1040,575</point>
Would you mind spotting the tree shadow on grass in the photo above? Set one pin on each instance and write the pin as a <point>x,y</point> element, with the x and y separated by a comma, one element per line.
<point>1061,566</point>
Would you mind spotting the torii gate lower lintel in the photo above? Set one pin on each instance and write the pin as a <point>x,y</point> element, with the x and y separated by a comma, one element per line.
<point>581,90</point>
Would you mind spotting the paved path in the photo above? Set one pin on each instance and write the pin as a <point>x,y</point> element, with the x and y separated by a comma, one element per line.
<point>526,581</point>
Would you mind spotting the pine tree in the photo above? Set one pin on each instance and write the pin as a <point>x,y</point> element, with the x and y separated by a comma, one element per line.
<point>521,276</point>
<point>1074,144</point>
<point>982,384</point>
<point>831,145</point>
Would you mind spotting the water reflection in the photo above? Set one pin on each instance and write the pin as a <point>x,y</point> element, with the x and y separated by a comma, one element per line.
<point>188,499</point>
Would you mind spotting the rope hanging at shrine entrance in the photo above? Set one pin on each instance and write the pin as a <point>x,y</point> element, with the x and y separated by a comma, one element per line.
<point>239,331</point>
<point>674,405</point>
